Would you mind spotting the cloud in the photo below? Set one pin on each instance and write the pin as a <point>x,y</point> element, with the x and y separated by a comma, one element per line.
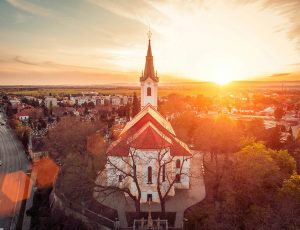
<point>30,8</point>
<point>19,59</point>
<point>287,8</point>
<point>296,64</point>
<point>280,74</point>
<point>156,13</point>
<point>138,10</point>
<point>46,65</point>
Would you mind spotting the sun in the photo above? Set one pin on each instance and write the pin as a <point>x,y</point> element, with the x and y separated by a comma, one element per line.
<point>223,76</point>
<point>221,81</point>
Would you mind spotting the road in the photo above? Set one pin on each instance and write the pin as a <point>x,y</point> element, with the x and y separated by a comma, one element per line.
<point>12,182</point>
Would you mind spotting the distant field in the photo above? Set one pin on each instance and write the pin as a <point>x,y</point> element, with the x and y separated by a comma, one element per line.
<point>163,90</point>
<point>204,88</point>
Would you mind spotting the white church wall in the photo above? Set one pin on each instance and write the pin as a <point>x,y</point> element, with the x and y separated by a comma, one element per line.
<point>184,174</point>
<point>149,99</point>
<point>144,159</point>
<point>113,171</point>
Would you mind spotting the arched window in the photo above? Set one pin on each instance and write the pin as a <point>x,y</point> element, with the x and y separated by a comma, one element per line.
<point>149,91</point>
<point>149,175</point>
<point>120,178</point>
<point>177,178</point>
<point>164,172</point>
<point>149,197</point>
<point>178,163</point>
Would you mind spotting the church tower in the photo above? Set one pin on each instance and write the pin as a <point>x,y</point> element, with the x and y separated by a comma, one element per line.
<point>149,80</point>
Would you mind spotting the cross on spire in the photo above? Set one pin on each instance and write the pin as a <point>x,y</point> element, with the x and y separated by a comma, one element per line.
<point>149,33</point>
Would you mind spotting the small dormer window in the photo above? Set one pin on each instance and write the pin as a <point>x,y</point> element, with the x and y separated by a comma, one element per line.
<point>149,91</point>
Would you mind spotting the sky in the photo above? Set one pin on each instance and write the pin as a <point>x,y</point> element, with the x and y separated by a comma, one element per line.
<point>84,42</point>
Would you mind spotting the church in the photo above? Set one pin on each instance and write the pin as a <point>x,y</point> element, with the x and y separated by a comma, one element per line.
<point>147,158</point>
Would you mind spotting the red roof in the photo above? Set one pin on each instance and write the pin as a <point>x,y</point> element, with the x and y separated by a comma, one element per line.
<point>23,113</point>
<point>149,137</point>
<point>147,133</point>
<point>148,113</point>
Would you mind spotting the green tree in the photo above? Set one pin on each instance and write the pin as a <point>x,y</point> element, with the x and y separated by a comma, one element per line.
<point>247,196</point>
<point>217,136</point>
<point>175,103</point>
<point>184,125</point>
<point>285,162</point>
<point>135,105</point>
<point>296,155</point>
<point>291,188</point>
<point>127,112</point>
<point>255,128</point>
<point>273,137</point>
<point>289,203</point>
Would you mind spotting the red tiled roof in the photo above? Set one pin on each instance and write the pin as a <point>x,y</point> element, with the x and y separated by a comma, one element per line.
<point>23,113</point>
<point>118,148</point>
<point>148,113</point>
<point>149,137</point>
<point>147,133</point>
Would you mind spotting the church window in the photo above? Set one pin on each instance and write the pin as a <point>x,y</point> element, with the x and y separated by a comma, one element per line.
<point>149,175</point>
<point>177,178</point>
<point>178,163</point>
<point>149,91</point>
<point>149,197</point>
<point>164,172</point>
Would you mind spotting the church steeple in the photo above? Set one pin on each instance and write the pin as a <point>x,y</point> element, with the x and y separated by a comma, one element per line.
<point>149,66</point>
<point>149,51</point>
<point>149,79</point>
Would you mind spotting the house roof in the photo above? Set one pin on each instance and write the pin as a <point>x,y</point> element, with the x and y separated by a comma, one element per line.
<point>148,130</point>
<point>23,113</point>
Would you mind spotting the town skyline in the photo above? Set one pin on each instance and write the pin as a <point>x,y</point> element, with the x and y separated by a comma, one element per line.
<point>194,41</point>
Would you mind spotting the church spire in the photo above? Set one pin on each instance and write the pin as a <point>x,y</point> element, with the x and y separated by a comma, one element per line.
<point>149,66</point>
<point>149,51</point>
<point>149,80</point>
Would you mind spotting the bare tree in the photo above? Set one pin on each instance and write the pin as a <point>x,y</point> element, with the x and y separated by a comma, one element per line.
<point>122,173</point>
<point>69,135</point>
<point>170,170</point>
<point>118,175</point>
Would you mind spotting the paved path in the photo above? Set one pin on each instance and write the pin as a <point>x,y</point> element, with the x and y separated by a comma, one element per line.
<point>14,163</point>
